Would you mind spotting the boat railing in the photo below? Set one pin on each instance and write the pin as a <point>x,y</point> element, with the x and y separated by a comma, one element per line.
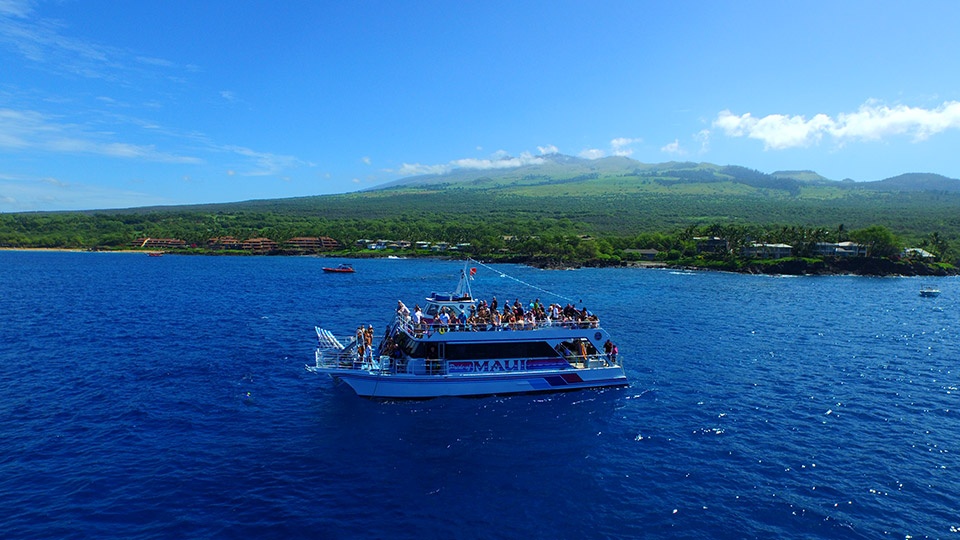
<point>349,361</point>
<point>330,358</point>
<point>428,329</point>
<point>601,360</point>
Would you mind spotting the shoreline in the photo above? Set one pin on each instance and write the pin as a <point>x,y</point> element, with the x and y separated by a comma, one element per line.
<point>73,250</point>
<point>786,267</point>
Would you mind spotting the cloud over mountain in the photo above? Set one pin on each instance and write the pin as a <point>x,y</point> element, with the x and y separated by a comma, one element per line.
<point>872,121</point>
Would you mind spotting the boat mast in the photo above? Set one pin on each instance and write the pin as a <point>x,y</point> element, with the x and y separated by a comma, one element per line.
<point>463,288</point>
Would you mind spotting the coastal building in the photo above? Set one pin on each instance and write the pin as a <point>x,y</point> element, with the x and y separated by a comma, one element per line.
<point>311,243</point>
<point>712,244</point>
<point>767,251</point>
<point>643,254</point>
<point>224,242</point>
<point>917,253</point>
<point>158,243</point>
<point>839,249</point>
<point>260,245</point>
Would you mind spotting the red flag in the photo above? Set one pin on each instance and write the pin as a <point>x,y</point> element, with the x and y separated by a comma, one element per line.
<point>473,271</point>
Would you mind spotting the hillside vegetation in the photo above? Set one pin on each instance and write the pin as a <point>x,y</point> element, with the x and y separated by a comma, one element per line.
<point>618,202</point>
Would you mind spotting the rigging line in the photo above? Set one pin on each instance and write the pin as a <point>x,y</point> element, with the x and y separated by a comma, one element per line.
<point>532,286</point>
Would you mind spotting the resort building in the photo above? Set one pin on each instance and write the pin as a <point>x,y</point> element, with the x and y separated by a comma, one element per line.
<point>643,254</point>
<point>224,242</point>
<point>158,243</point>
<point>712,244</point>
<point>839,249</point>
<point>917,253</point>
<point>767,251</point>
<point>260,245</point>
<point>312,243</point>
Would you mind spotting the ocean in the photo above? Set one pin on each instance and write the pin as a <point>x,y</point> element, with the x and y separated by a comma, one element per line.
<point>166,397</point>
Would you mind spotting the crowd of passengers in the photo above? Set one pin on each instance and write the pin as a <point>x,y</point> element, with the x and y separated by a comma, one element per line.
<point>490,316</point>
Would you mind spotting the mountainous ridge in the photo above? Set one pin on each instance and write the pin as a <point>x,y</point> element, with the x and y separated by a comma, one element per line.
<point>558,168</point>
<point>618,195</point>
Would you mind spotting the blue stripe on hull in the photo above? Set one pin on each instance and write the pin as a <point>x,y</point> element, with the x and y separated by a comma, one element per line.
<point>393,386</point>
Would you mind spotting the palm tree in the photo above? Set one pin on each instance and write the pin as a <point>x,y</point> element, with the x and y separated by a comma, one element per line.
<point>939,245</point>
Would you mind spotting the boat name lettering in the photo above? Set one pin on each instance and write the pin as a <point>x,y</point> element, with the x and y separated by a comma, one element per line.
<point>487,366</point>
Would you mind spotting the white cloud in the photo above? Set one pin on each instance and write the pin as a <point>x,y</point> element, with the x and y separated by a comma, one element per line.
<point>548,149</point>
<point>31,130</point>
<point>776,131</point>
<point>366,160</point>
<point>24,193</point>
<point>500,161</point>
<point>16,8</point>
<point>872,121</point>
<point>48,44</point>
<point>265,163</point>
<point>703,136</point>
<point>417,169</point>
<point>673,148</point>
<point>621,146</point>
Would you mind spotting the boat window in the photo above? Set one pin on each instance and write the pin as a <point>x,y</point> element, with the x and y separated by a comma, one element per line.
<point>404,343</point>
<point>478,351</point>
<point>420,349</point>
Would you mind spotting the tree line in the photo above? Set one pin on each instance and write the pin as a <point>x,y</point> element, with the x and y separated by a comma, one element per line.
<point>553,236</point>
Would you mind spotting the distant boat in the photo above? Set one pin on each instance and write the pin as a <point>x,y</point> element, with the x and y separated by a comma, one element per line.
<point>929,290</point>
<point>155,254</point>
<point>340,269</point>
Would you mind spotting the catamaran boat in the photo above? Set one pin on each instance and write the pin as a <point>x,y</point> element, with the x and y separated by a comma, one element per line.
<point>455,346</point>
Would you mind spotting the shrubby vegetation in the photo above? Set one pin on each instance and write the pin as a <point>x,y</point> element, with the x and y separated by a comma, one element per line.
<point>585,218</point>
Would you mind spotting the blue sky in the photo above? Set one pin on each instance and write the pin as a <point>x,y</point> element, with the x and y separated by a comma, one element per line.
<point>107,104</point>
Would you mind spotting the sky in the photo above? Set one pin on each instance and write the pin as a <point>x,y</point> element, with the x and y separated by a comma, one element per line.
<point>107,104</point>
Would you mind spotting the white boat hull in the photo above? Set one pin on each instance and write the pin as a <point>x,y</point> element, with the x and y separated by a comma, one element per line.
<point>389,385</point>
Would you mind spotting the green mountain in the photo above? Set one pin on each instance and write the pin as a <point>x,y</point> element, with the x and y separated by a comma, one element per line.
<point>553,194</point>
<point>561,169</point>
<point>915,182</point>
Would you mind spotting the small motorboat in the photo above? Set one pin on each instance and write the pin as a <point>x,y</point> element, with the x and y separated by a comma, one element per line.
<point>339,269</point>
<point>929,290</point>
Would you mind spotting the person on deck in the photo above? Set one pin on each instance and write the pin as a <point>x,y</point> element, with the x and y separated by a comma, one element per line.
<point>417,318</point>
<point>442,321</point>
<point>495,319</point>
<point>368,342</point>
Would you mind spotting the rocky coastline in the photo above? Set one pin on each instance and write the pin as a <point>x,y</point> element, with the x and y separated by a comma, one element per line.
<point>860,266</point>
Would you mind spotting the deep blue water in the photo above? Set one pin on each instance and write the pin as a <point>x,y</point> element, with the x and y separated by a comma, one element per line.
<point>166,398</point>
